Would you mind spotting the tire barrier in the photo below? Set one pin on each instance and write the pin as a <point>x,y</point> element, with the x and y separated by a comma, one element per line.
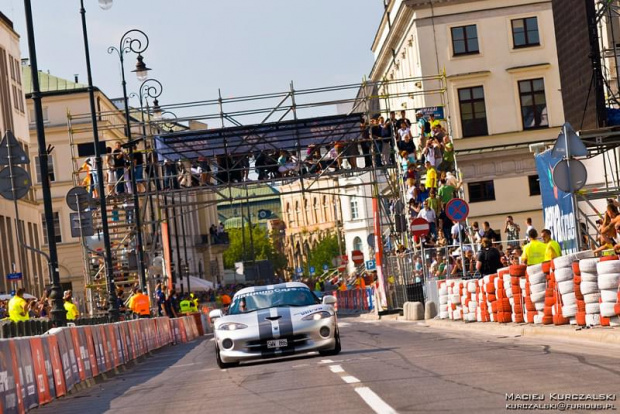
<point>36,370</point>
<point>354,300</point>
<point>576,289</point>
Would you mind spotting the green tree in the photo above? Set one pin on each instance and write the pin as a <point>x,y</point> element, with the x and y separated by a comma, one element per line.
<point>323,253</point>
<point>263,248</point>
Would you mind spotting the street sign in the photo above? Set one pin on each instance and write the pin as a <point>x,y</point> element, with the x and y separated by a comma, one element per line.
<point>371,240</point>
<point>312,270</point>
<point>78,199</point>
<point>357,257</point>
<point>82,226</point>
<point>14,276</point>
<point>325,267</point>
<point>568,137</point>
<point>342,267</point>
<point>300,271</point>
<point>371,264</point>
<point>344,259</point>
<point>21,180</point>
<point>18,155</point>
<point>420,227</point>
<point>457,209</point>
<point>570,180</point>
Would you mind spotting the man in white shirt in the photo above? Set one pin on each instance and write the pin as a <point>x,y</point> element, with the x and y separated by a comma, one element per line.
<point>429,215</point>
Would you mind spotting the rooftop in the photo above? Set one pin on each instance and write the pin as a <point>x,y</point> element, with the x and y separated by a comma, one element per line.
<point>48,82</point>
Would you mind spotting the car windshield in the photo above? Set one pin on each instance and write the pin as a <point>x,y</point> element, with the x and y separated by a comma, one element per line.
<point>269,298</point>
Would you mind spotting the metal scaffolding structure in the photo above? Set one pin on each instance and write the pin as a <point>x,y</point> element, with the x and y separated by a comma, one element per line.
<point>301,136</point>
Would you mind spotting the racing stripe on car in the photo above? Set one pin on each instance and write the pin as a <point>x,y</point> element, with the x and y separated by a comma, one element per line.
<point>286,324</point>
<point>265,330</point>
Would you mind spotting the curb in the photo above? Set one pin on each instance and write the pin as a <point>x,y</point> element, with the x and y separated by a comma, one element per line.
<point>602,335</point>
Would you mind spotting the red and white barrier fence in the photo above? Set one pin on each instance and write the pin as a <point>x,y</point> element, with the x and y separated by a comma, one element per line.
<point>576,289</point>
<point>35,370</point>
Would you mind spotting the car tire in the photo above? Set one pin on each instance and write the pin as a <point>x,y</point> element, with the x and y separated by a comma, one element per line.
<point>222,364</point>
<point>336,349</point>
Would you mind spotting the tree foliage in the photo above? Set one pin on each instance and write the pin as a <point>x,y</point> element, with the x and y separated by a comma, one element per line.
<point>323,253</point>
<point>240,248</point>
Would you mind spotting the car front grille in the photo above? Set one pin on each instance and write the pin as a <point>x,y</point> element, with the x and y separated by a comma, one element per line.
<point>261,344</point>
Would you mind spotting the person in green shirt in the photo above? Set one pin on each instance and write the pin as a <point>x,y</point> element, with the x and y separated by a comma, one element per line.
<point>434,202</point>
<point>534,251</point>
<point>553,247</point>
<point>446,192</point>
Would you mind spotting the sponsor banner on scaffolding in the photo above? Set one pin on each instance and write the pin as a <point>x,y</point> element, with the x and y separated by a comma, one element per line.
<point>286,135</point>
<point>558,209</point>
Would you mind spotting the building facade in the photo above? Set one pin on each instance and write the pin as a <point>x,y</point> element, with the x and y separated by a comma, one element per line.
<point>501,90</point>
<point>14,257</point>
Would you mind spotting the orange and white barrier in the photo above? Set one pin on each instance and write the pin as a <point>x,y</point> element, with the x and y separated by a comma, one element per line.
<point>575,289</point>
<point>38,369</point>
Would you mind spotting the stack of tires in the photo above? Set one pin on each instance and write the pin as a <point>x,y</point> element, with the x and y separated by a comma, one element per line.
<point>443,299</point>
<point>482,314</point>
<point>455,309</point>
<point>537,278</point>
<point>504,309</point>
<point>586,290</point>
<point>489,289</point>
<point>516,278</point>
<point>470,304</point>
<point>608,284</point>
<point>565,307</point>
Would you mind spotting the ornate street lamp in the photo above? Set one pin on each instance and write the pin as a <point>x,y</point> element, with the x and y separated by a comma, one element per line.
<point>135,41</point>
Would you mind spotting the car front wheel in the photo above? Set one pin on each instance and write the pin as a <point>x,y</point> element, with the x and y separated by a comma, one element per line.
<point>222,364</point>
<point>337,347</point>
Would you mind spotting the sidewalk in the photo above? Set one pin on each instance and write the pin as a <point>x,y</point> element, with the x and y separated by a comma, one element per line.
<point>599,334</point>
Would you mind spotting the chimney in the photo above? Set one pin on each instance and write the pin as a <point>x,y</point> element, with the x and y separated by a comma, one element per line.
<point>75,78</point>
<point>25,61</point>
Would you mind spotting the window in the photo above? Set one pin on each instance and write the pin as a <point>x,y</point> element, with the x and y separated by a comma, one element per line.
<point>315,206</point>
<point>355,214</point>
<point>481,191</point>
<point>357,244</point>
<point>465,40</point>
<point>44,113</point>
<point>473,111</point>
<point>525,32</point>
<point>50,168</point>
<point>534,183</point>
<point>57,234</point>
<point>533,103</point>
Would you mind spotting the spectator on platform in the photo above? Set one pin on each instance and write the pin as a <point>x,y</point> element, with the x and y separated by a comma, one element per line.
<point>489,233</point>
<point>488,259</point>
<point>528,227</point>
<point>431,176</point>
<point>118,157</point>
<point>72,311</point>
<point>428,214</point>
<point>512,229</point>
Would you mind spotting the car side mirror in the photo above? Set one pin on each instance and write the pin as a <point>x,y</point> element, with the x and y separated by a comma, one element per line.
<point>329,300</point>
<point>215,313</point>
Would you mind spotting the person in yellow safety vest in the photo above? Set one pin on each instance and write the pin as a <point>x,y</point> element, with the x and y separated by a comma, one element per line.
<point>553,247</point>
<point>534,251</point>
<point>17,307</point>
<point>72,311</point>
<point>140,305</point>
<point>186,305</point>
<point>129,302</point>
<point>194,302</point>
<point>343,286</point>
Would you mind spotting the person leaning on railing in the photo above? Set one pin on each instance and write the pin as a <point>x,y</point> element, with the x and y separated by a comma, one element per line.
<point>72,311</point>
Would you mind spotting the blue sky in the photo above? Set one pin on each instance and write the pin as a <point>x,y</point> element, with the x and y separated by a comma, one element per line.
<point>243,47</point>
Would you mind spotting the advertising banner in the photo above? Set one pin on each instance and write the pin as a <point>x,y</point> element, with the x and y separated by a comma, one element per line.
<point>90,348</point>
<point>10,392</point>
<point>69,364</point>
<point>107,347</point>
<point>557,205</point>
<point>113,338</point>
<point>26,373</point>
<point>51,346</point>
<point>40,371</point>
<point>83,351</point>
<point>75,349</point>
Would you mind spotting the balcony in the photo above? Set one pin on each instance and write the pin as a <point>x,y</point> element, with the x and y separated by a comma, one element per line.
<point>219,242</point>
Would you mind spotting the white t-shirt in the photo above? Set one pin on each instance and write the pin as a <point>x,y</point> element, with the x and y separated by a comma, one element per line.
<point>428,215</point>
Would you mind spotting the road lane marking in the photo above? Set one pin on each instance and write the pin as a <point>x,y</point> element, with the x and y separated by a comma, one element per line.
<point>374,401</point>
<point>336,369</point>
<point>326,361</point>
<point>349,379</point>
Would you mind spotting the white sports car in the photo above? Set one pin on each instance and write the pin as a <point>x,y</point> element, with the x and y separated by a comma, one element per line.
<point>274,321</point>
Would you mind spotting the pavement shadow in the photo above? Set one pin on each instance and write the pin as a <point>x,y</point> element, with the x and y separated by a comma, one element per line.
<point>98,398</point>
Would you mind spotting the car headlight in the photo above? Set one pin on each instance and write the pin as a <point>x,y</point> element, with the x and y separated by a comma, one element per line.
<point>231,326</point>
<point>316,316</point>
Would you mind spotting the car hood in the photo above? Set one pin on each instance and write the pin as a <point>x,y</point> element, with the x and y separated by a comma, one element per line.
<point>289,313</point>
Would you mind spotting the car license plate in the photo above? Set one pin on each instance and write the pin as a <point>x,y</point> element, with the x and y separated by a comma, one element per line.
<point>277,343</point>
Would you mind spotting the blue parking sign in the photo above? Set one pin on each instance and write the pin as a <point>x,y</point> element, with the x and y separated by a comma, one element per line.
<point>312,270</point>
<point>300,271</point>
<point>371,265</point>
<point>325,267</point>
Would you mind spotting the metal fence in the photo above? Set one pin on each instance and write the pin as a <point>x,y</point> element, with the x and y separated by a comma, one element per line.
<point>405,282</point>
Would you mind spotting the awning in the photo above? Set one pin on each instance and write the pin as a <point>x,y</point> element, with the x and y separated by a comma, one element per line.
<point>195,284</point>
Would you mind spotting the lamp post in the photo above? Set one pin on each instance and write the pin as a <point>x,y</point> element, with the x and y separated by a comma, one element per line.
<point>113,311</point>
<point>58,313</point>
<point>129,43</point>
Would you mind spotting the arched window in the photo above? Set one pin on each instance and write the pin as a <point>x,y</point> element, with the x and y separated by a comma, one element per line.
<point>357,244</point>
<point>355,213</point>
<point>289,215</point>
<point>325,209</point>
<point>315,206</point>
<point>297,214</point>
<point>307,213</point>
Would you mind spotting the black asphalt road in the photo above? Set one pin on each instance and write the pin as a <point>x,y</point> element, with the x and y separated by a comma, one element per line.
<point>385,366</point>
